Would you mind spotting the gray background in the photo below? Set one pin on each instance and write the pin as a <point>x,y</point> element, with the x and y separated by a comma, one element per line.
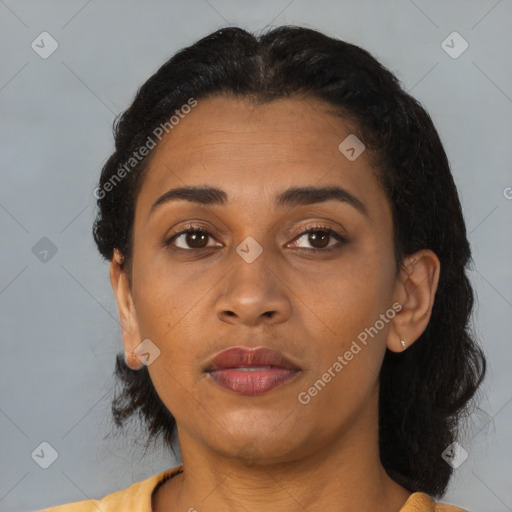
<point>59,321</point>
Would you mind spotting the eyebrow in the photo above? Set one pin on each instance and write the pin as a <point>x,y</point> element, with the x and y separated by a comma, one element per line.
<point>295,196</point>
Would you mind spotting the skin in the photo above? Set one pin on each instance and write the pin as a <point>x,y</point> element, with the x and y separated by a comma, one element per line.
<point>262,452</point>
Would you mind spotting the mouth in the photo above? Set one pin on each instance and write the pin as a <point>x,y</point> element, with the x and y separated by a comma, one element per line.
<point>251,371</point>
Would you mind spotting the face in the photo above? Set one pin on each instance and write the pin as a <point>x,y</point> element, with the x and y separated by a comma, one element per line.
<point>304,275</point>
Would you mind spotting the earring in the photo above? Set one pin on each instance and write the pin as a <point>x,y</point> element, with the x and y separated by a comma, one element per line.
<point>402,342</point>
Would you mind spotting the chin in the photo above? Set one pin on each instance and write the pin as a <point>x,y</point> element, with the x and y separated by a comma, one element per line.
<point>255,447</point>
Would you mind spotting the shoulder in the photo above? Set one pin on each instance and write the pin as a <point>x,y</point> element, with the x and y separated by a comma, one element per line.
<point>444,507</point>
<point>137,497</point>
<point>421,502</point>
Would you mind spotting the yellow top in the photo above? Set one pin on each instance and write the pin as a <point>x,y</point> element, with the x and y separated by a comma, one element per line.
<point>137,498</point>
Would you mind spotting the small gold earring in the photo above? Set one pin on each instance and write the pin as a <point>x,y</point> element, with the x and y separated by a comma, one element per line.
<point>402,342</point>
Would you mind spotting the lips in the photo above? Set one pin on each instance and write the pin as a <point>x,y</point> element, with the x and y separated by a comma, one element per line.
<point>238,357</point>
<point>251,371</point>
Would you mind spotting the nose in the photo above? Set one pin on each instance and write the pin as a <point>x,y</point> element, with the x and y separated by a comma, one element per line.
<point>254,293</point>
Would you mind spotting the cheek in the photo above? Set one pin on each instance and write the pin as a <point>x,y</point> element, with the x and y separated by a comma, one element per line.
<point>346,375</point>
<point>164,297</point>
<point>353,296</point>
<point>353,307</point>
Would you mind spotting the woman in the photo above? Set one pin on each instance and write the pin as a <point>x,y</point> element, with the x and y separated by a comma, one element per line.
<point>287,250</point>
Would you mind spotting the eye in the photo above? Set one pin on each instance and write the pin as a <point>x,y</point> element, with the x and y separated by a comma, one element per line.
<point>319,238</point>
<point>190,239</point>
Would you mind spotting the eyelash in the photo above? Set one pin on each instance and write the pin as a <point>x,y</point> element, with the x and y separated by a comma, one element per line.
<point>316,228</point>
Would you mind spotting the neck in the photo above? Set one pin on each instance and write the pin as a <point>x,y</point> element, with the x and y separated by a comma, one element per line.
<point>342,476</point>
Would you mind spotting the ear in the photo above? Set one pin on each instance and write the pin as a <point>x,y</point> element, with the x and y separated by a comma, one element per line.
<point>126,308</point>
<point>415,290</point>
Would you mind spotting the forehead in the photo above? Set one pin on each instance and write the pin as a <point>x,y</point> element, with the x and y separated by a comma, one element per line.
<point>255,151</point>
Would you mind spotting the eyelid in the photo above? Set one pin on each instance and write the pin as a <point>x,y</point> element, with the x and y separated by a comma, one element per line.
<point>317,226</point>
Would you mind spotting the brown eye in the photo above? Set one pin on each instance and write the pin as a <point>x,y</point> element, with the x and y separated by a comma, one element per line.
<point>196,240</point>
<point>191,239</point>
<point>319,238</point>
